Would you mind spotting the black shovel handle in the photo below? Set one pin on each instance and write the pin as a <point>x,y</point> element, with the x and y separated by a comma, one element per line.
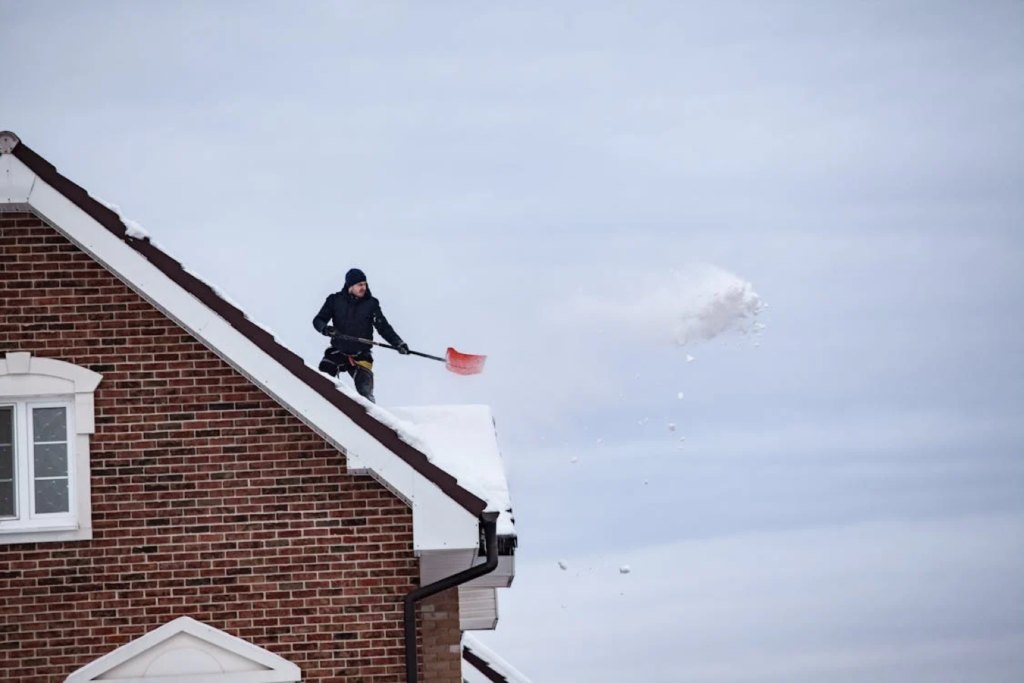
<point>386,346</point>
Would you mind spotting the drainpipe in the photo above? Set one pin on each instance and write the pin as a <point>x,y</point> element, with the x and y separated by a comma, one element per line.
<point>490,522</point>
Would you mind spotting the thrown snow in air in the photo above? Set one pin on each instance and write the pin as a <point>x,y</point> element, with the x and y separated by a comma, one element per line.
<point>694,304</point>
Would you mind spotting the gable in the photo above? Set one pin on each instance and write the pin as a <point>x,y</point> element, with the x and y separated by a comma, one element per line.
<point>188,651</point>
<point>445,514</point>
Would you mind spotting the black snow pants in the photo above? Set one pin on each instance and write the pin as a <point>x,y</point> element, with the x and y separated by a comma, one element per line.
<point>360,367</point>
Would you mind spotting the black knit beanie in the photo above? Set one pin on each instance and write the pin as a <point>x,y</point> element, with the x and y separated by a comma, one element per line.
<point>354,276</point>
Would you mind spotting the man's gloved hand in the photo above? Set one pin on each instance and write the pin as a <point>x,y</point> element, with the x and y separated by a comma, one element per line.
<point>403,348</point>
<point>328,330</point>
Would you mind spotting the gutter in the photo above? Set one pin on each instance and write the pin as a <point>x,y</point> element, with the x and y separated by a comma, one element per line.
<point>490,524</point>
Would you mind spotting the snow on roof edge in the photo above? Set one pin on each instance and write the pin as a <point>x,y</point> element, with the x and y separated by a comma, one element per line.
<point>493,659</point>
<point>461,440</point>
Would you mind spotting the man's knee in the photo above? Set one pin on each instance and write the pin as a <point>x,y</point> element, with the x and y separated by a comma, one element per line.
<point>328,366</point>
<point>333,363</point>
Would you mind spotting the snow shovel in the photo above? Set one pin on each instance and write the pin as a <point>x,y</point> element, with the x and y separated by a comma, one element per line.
<point>459,363</point>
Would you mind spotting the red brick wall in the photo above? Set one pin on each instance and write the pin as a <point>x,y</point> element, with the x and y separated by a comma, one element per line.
<point>209,499</point>
<point>442,637</point>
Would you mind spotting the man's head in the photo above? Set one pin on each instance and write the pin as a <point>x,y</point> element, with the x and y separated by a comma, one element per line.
<point>355,283</point>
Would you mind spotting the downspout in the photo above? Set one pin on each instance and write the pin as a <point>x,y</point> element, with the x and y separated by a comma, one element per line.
<point>490,522</point>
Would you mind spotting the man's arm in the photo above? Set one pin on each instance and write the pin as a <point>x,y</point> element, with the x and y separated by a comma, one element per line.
<point>385,329</point>
<point>320,322</point>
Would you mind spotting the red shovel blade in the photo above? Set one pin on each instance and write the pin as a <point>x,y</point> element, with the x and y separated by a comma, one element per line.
<point>464,363</point>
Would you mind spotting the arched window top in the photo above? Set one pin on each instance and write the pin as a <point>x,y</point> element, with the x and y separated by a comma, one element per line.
<point>23,371</point>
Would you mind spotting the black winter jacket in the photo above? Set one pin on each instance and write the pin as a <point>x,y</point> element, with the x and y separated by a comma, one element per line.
<point>355,317</point>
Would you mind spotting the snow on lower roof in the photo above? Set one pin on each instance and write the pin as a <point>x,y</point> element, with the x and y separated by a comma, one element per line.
<point>473,649</point>
<point>462,441</point>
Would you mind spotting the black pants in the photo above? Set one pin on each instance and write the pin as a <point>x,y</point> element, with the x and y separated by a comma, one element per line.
<point>335,362</point>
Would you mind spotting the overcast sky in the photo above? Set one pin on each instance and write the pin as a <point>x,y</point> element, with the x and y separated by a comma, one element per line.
<point>849,505</point>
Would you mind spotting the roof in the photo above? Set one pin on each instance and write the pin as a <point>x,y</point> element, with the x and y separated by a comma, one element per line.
<point>462,441</point>
<point>480,664</point>
<point>370,419</point>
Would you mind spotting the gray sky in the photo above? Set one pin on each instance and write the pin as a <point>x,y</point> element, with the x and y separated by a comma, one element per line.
<point>850,502</point>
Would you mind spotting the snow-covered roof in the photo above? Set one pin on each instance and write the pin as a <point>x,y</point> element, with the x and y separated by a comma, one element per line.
<point>462,441</point>
<point>480,664</point>
<point>445,509</point>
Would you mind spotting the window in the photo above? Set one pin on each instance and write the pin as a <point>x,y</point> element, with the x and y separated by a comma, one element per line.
<point>35,456</point>
<point>46,417</point>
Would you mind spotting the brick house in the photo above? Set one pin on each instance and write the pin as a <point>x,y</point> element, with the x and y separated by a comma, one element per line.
<point>184,499</point>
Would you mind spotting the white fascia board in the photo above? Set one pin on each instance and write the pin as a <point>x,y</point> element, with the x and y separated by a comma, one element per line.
<point>16,180</point>
<point>438,521</point>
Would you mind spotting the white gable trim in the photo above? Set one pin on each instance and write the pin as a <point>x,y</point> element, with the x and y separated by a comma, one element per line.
<point>252,664</point>
<point>439,522</point>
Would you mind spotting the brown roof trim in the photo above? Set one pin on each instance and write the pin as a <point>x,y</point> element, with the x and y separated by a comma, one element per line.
<point>482,666</point>
<point>387,436</point>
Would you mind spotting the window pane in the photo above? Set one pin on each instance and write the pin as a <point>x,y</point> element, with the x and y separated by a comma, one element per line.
<point>51,495</point>
<point>6,498</point>
<point>51,460</point>
<point>6,462</point>
<point>49,424</point>
<point>7,503</point>
<point>6,426</point>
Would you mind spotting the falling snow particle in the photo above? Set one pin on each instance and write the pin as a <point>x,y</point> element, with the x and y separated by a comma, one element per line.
<point>689,358</point>
<point>574,459</point>
<point>680,396</point>
<point>624,569</point>
<point>562,565</point>
<point>600,441</point>
<point>671,426</point>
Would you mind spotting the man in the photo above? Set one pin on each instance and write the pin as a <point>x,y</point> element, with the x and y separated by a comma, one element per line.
<point>354,312</point>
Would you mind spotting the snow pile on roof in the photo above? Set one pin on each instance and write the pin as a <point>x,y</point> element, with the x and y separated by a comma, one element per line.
<point>462,441</point>
<point>471,673</point>
<point>135,230</point>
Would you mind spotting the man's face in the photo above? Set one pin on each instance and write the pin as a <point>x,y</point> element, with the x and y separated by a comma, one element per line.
<point>358,290</point>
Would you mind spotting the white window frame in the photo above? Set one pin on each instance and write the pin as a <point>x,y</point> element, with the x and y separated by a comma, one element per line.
<point>28,382</point>
<point>26,517</point>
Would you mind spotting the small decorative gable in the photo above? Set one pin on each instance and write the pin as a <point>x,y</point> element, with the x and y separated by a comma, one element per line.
<point>188,651</point>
